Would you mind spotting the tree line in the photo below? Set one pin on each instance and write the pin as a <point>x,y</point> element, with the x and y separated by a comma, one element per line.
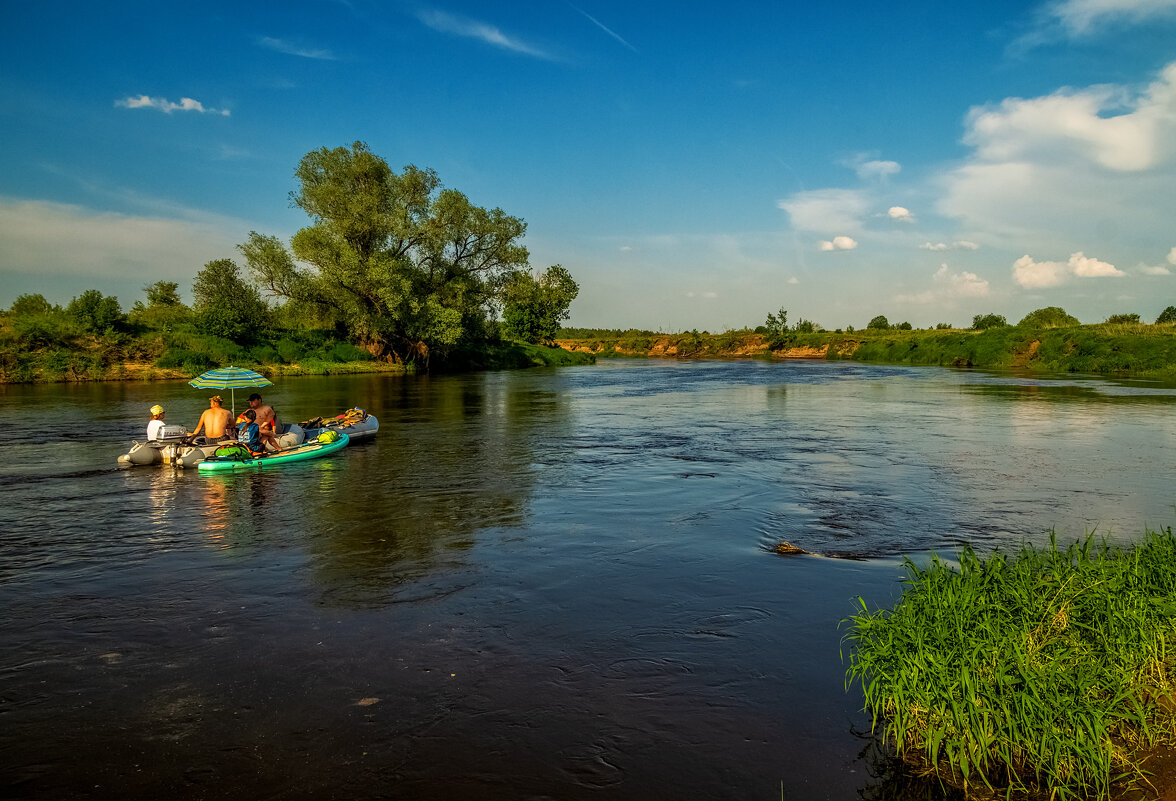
<point>394,264</point>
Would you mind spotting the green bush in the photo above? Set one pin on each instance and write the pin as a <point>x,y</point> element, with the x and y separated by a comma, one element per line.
<point>346,352</point>
<point>1123,319</point>
<point>1168,315</point>
<point>879,323</point>
<point>982,322</point>
<point>1048,317</point>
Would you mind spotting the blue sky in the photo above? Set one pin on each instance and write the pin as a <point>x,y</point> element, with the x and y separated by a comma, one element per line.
<point>695,165</point>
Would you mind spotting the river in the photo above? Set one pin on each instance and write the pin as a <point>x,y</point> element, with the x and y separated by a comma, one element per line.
<point>530,584</point>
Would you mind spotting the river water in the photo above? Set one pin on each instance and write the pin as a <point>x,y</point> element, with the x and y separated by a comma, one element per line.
<point>531,584</point>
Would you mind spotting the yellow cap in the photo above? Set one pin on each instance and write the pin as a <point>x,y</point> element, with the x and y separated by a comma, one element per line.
<point>157,409</point>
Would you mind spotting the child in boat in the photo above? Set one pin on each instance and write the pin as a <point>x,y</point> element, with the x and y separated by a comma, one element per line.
<point>248,434</point>
<point>155,425</point>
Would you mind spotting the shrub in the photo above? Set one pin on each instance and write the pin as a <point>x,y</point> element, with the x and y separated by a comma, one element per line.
<point>879,323</point>
<point>1120,319</point>
<point>1048,317</point>
<point>1168,315</point>
<point>943,326</point>
<point>982,322</point>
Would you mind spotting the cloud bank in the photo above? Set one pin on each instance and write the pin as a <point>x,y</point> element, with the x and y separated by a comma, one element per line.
<point>1045,274</point>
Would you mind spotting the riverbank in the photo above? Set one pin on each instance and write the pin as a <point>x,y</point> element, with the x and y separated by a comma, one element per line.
<point>1141,350</point>
<point>95,363</point>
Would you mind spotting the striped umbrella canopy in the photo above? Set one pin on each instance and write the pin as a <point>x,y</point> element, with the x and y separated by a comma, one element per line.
<point>230,378</point>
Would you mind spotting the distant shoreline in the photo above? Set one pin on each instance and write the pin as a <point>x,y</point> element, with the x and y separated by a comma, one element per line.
<point>1128,350</point>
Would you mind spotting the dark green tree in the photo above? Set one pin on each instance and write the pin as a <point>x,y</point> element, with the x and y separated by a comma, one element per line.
<point>1123,319</point>
<point>1168,315</point>
<point>27,305</point>
<point>533,306</point>
<point>226,305</point>
<point>1048,317</point>
<point>777,324</point>
<point>402,263</point>
<point>163,293</point>
<point>94,312</point>
<point>903,326</point>
<point>984,321</point>
<point>879,323</point>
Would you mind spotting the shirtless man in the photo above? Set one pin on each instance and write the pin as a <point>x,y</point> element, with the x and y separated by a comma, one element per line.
<point>267,421</point>
<point>215,422</point>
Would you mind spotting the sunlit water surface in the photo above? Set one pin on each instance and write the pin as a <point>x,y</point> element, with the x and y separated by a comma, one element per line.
<point>531,584</point>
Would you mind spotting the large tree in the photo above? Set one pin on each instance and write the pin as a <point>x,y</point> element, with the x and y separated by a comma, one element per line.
<point>226,305</point>
<point>533,306</point>
<point>403,264</point>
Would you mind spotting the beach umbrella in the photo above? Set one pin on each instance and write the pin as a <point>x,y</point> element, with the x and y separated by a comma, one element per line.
<point>232,379</point>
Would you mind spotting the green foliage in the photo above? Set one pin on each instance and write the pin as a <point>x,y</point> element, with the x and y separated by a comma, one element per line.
<point>879,323</point>
<point>226,306</point>
<point>1123,319</point>
<point>1168,315</point>
<point>804,326</point>
<point>31,305</point>
<point>903,326</point>
<point>776,325</point>
<point>982,322</point>
<point>95,313</point>
<point>1040,670</point>
<point>1048,317</point>
<point>943,326</point>
<point>533,306</point>
<point>401,264</point>
<point>163,293</point>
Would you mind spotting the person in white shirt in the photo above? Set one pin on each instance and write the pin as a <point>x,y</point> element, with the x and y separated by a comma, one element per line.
<point>155,426</point>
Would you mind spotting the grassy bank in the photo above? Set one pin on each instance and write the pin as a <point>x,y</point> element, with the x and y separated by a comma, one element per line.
<point>1047,670</point>
<point>1124,349</point>
<point>70,355</point>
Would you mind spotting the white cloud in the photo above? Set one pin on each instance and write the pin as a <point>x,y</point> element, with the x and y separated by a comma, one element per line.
<point>58,241</point>
<point>1044,274</point>
<point>1153,269</point>
<point>167,106</point>
<point>1080,17</point>
<point>938,247</point>
<point>900,214</point>
<point>282,46</point>
<point>794,280</point>
<point>1172,256</point>
<point>708,295</point>
<point>948,286</point>
<point>877,169</point>
<point>625,248</point>
<point>825,210</point>
<point>444,22</point>
<point>1070,124</point>
<point>838,243</point>
<point>1048,171</point>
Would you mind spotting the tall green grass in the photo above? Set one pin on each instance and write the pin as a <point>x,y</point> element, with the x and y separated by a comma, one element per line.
<point>1046,670</point>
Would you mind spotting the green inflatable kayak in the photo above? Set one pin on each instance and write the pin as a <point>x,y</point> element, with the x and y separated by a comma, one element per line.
<point>308,450</point>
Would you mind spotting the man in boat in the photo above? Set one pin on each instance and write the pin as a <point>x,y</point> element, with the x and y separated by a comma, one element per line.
<point>216,422</point>
<point>267,420</point>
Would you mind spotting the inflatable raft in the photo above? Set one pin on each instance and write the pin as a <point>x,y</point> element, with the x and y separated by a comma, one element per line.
<point>175,447</point>
<point>312,449</point>
<point>356,423</point>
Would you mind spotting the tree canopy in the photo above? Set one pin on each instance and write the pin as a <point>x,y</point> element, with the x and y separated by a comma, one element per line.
<point>401,263</point>
<point>982,322</point>
<point>226,305</point>
<point>534,306</point>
